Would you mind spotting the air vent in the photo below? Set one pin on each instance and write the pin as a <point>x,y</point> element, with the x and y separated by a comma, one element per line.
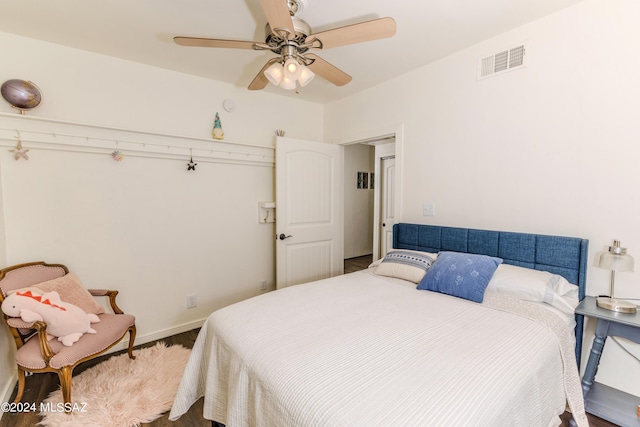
<point>500,62</point>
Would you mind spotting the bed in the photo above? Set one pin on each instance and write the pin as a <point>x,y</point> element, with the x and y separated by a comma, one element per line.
<point>371,348</point>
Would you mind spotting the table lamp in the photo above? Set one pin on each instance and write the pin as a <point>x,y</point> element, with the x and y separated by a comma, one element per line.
<point>616,259</point>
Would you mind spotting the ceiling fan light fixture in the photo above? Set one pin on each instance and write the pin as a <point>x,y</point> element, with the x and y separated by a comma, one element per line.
<point>292,69</point>
<point>287,83</point>
<point>306,75</point>
<point>274,73</point>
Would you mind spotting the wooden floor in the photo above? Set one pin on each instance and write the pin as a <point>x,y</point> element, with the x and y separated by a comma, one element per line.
<point>357,264</point>
<point>39,386</point>
<point>593,421</point>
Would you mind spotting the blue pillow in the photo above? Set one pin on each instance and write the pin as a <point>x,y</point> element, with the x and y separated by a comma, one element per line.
<point>460,274</point>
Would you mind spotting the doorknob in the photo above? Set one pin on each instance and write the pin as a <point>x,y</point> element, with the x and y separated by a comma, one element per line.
<point>282,236</point>
<point>384,225</point>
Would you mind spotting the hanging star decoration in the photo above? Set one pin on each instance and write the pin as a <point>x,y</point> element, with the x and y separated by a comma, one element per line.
<point>191,166</point>
<point>19,152</point>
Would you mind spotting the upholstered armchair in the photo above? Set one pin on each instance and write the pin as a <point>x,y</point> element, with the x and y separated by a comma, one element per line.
<point>35,353</point>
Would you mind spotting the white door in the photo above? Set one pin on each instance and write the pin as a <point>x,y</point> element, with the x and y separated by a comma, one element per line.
<point>384,202</point>
<point>309,211</point>
<point>387,214</point>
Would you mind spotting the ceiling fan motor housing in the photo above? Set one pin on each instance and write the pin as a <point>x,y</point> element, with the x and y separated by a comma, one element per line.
<point>275,40</point>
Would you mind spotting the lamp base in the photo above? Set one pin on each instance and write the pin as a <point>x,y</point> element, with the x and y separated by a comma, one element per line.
<point>617,305</point>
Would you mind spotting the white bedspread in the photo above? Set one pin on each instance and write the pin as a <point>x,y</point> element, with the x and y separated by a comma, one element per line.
<point>361,350</point>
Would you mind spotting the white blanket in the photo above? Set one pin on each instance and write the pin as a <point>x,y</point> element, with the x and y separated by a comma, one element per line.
<point>360,350</point>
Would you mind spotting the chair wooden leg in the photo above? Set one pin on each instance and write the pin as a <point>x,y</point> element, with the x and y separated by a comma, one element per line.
<point>132,338</point>
<point>65,383</point>
<point>21,380</point>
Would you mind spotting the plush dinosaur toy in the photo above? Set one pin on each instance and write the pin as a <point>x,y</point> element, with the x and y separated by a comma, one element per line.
<point>66,321</point>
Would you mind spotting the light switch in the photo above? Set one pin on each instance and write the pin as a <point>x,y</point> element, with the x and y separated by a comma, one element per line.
<point>429,209</point>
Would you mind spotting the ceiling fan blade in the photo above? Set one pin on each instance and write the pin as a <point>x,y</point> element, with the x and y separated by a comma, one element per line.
<point>357,33</point>
<point>278,15</point>
<point>328,71</point>
<point>202,42</point>
<point>260,80</point>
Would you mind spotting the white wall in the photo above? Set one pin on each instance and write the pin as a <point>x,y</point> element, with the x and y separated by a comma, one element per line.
<point>84,87</point>
<point>146,225</point>
<point>358,203</point>
<point>551,148</point>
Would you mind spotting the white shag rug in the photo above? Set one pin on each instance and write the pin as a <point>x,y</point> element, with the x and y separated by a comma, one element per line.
<point>121,392</point>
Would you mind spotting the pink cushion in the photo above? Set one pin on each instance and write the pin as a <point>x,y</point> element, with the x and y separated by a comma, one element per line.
<point>110,329</point>
<point>70,290</point>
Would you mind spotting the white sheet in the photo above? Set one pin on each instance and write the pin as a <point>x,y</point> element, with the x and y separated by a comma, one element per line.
<point>359,350</point>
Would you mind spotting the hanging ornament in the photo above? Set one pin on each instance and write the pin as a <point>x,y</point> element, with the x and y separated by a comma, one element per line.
<point>191,166</point>
<point>217,133</point>
<point>19,152</point>
<point>117,155</point>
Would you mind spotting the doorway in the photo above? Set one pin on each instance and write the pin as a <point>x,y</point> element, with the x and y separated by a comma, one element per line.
<point>359,164</point>
<point>370,205</point>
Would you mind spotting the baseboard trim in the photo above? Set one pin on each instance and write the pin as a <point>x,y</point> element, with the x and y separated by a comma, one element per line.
<point>157,335</point>
<point>122,345</point>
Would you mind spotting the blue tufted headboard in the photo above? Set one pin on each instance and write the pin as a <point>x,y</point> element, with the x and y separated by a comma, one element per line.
<point>566,256</point>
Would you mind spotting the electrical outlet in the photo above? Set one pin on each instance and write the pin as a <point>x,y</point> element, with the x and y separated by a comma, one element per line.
<point>263,285</point>
<point>429,209</point>
<point>192,300</point>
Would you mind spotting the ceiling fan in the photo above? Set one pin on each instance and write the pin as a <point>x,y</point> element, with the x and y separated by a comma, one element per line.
<point>291,39</point>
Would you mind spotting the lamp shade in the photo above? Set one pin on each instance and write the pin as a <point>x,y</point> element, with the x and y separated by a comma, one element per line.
<point>616,259</point>
<point>292,69</point>
<point>306,75</point>
<point>274,73</point>
<point>287,83</point>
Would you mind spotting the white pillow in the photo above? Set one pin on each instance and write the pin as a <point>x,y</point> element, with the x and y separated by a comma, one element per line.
<point>405,264</point>
<point>376,263</point>
<point>535,285</point>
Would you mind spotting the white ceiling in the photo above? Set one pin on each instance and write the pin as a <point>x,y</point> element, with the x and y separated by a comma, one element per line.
<point>142,31</point>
